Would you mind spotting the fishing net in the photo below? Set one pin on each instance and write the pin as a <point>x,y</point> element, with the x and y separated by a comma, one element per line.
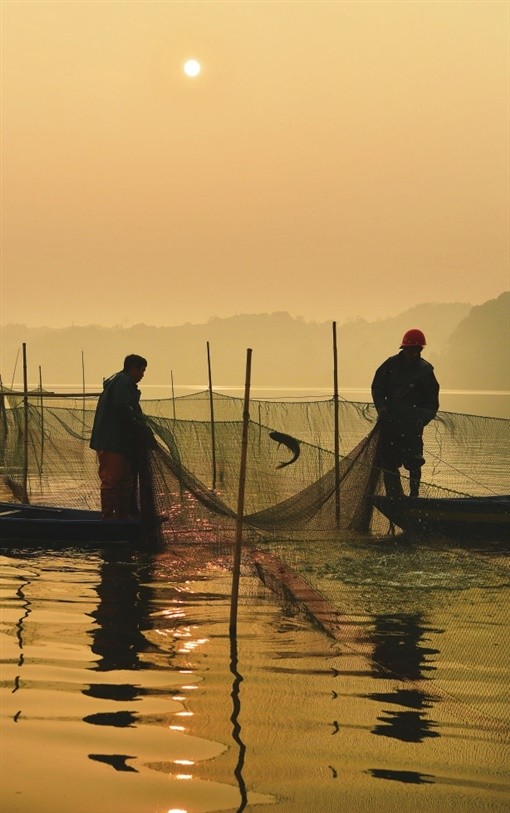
<point>189,477</point>
<point>309,527</point>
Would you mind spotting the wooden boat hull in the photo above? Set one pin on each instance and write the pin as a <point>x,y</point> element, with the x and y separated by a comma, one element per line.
<point>43,524</point>
<point>456,517</point>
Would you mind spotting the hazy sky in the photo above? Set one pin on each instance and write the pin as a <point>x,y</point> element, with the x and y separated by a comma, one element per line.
<point>332,159</point>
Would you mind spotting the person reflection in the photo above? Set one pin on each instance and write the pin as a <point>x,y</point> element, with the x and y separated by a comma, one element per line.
<point>122,615</point>
<point>399,653</point>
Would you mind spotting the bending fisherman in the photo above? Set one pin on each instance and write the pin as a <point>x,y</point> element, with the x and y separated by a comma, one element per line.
<point>117,423</point>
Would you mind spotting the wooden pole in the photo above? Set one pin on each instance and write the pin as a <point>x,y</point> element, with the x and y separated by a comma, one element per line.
<point>240,500</point>
<point>24,484</point>
<point>83,389</point>
<point>336,428</point>
<point>211,404</point>
<point>3,432</point>
<point>173,391</point>
<point>15,368</point>
<point>41,404</point>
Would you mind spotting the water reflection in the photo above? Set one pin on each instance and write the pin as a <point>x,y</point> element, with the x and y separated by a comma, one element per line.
<point>397,647</point>
<point>408,777</point>
<point>399,653</point>
<point>126,639</point>
<point>117,761</point>
<point>236,730</point>
<point>118,719</point>
<point>27,604</point>
<point>121,615</point>
<point>408,726</point>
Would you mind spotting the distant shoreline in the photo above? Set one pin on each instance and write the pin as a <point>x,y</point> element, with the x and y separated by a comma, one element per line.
<point>235,388</point>
<point>481,403</point>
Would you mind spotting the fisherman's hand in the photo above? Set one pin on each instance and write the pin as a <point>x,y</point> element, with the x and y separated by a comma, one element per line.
<point>145,435</point>
<point>150,438</point>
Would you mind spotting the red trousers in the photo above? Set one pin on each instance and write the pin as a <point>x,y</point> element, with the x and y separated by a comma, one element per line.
<point>117,484</point>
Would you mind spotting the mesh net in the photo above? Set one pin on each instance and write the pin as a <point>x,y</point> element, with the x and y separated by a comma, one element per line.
<point>190,477</point>
<point>302,522</point>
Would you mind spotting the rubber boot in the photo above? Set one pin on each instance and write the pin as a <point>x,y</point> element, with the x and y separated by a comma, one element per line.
<point>133,510</point>
<point>124,497</point>
<point>393,484</point>
<point>108,503</point>
<point>414,482</point>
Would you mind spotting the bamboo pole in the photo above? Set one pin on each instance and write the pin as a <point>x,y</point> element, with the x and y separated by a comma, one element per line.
<point>336,428</point>
<point>173,391</point>
<point>211,405</point>
<point>3,433</point>
<point>240,500</point>
<point>60,395</point>
<point>3,409</point>
<point>15,368</point>
<point>83,389</point>
<point>24,484</point>
<point>41,405</point>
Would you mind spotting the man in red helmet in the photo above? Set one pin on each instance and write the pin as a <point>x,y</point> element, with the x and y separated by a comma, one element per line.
<point>405,392</point>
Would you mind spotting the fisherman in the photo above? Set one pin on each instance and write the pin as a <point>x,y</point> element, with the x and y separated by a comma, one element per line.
<point>405,392</point>
<point>118,424</point>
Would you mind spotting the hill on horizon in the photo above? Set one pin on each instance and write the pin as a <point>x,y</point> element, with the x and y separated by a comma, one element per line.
<point>468,346</point>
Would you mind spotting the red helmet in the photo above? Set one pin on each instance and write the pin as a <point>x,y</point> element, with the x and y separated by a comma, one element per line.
<point>413,338</point>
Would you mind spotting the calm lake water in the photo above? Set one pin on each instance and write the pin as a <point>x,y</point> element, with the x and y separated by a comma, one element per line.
<point>122,692</point>
<point>490,403</point>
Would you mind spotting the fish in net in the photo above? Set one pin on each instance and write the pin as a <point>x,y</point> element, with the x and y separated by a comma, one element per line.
<point>189,477</point>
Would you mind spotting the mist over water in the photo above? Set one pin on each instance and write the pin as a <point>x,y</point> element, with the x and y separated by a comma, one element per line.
<point>492,404</point>
<point>486,403</point>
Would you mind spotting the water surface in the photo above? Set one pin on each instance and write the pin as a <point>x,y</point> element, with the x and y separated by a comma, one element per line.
<point>122,690</point>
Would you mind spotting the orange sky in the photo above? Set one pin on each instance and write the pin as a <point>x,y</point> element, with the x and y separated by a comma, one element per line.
<point>333,159</point>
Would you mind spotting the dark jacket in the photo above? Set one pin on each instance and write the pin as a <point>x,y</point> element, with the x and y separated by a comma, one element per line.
<point>409,390</point>
<point>118,416</point>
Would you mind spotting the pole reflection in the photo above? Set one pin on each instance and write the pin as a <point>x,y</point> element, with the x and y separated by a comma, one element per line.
<point>236,730</point>
<point>121,641</point>
<point>27,605</point>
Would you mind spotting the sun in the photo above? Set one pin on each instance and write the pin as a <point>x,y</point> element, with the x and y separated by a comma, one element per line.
<point>192,67</point>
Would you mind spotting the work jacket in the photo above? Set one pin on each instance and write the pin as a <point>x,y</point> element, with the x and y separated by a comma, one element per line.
<point>409,390</point>
<point>118,416</point>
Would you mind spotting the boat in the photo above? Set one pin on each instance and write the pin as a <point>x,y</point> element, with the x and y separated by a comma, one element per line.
<point>33,524</point>
<point>462,518</point>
